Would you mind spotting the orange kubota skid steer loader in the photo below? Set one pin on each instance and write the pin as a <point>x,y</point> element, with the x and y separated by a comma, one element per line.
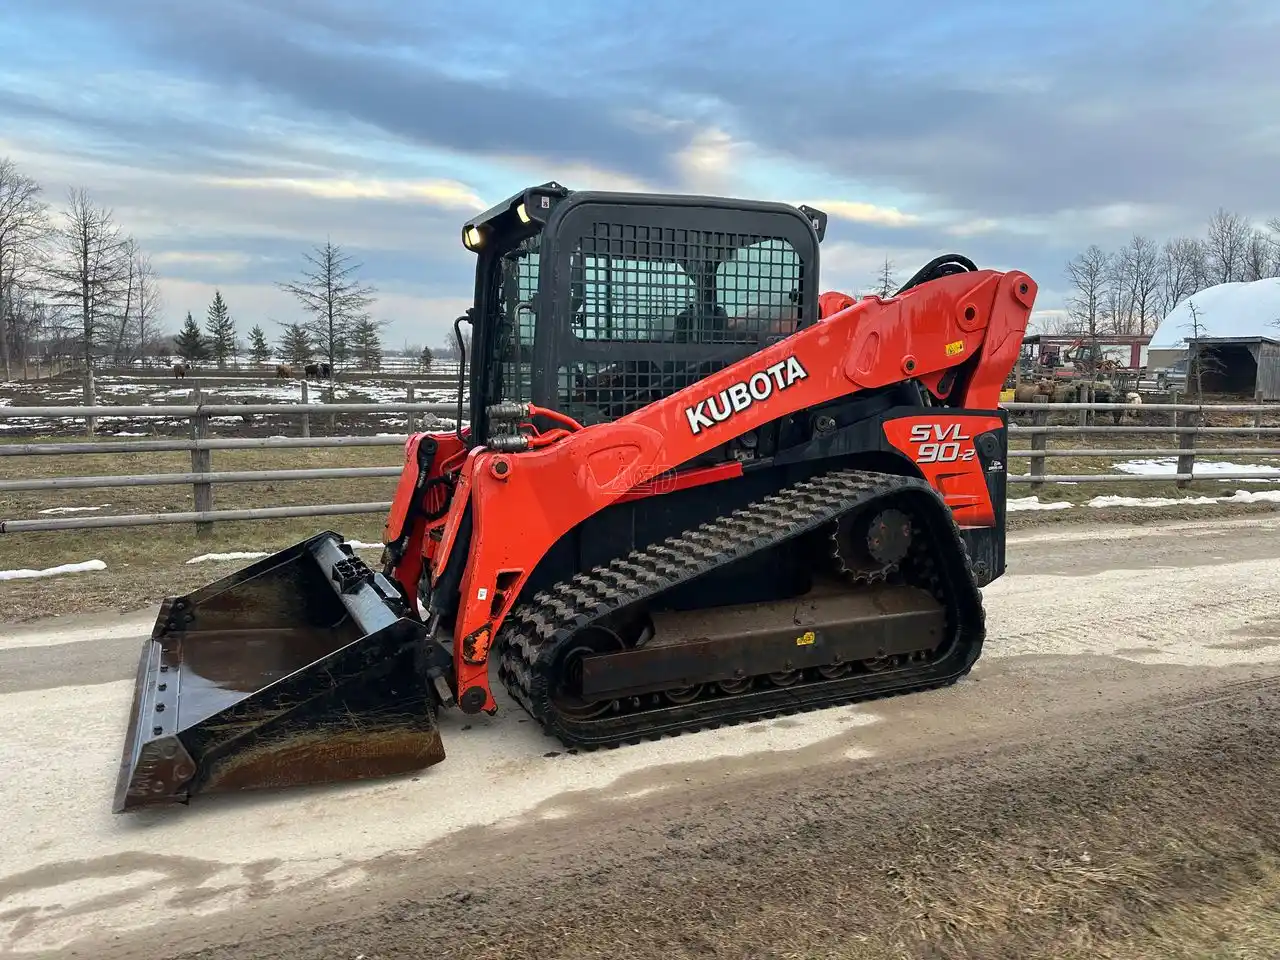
<point>685,495</point>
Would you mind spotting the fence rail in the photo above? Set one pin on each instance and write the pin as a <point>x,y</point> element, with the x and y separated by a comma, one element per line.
<point>1185,423</point>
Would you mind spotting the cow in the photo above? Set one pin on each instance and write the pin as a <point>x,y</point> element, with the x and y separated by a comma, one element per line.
<point>180,370</point>
<point>317,371</point>
<point>283,372</point>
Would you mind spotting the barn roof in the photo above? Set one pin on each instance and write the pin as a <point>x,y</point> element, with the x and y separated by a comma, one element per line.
<point>1237,310</point>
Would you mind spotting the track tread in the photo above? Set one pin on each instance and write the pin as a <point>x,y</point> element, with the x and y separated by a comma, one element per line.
<point>534,633</point>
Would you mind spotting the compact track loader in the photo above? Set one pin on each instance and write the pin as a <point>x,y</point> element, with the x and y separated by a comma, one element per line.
<point>691,491</point>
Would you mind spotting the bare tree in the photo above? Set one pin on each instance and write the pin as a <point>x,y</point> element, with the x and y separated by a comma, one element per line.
<point>1117,300</point>
<point>1182,272</point>
<point>147,309</point>
<point>24,223</point>
<point>336,301</point>
<point>1261,258</point>
<point>1202,360</point>
<point>1226,246</point>
<point>886,284</point>
<point>87,270</point>
<point>1141,269</point>
<point>115,340</point>
<point>1088,274</point>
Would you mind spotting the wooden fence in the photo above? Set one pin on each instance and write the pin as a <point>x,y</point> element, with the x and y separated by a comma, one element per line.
<point>1185,424</point>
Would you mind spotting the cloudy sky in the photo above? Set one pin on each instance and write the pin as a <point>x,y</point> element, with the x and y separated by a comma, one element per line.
<point>231,136</point>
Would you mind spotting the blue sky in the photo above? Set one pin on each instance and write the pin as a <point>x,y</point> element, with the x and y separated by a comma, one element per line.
<point>229,137</point>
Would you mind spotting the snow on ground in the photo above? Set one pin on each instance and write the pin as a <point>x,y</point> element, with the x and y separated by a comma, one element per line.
<point>1162,466</point>
<point>259,554</point>
<point>1117,501</point>
<point>1101,502</point>
<point>84,567</point>
<point>233,555</point>
<point>1033,503</point>
<point>56,510</point>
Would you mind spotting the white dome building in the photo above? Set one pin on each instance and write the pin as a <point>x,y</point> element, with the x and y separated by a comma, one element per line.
<point>1236,327</point>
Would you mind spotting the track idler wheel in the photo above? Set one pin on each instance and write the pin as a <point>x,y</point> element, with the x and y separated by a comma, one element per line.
<point>871,542</point>
<point>567,696</point>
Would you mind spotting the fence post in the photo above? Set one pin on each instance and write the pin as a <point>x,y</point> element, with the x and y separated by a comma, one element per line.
<point>1039,441</point>
<point>1084,393</point>
<point>90,400</point>
<point>201,462</point>
<point>1173,414</point>
<point>1187,442</point>
<point>409,425</point>
<point>306,417</point>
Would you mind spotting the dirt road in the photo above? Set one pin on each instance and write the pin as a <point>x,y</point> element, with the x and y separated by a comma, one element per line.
<point>1103,785</point>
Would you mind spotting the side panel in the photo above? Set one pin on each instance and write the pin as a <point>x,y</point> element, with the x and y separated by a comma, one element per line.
<point>963,455</point>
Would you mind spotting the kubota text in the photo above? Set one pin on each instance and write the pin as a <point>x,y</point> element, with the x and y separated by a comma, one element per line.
<point>757,387</point>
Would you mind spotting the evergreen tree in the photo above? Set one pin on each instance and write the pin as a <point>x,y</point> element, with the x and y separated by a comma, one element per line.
<point>366,343</point>
<point>221,329</point>
<point>259,349</point>
<point>190,343</point>
<point>295,345</point>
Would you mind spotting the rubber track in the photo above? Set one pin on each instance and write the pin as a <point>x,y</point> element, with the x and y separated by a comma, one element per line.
<point>533,633</point>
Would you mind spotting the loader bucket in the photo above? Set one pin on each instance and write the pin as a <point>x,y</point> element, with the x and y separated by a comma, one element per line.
<point>301,668</point>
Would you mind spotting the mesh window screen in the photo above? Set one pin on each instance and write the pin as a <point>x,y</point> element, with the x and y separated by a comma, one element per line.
<point>670,287</point>
<point>674,285</point>
<point>517,284</point>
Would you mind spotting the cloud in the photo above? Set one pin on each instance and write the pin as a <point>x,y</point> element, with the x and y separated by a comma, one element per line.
<point>209,260</point>
<point>1018,134</point>
<point>706,164</point>
<point>860,212</point>
<point>448,194</point>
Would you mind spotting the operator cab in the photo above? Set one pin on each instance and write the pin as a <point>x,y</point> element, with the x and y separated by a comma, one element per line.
<point>596,304</point>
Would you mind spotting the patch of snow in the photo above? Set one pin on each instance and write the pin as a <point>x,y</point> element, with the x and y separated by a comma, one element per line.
<point>1240,496</point>
<point>1252,496</point>
<point>234,555</point>
<point>54,510</point>
<point>1033,503</point>
<point>361,545</point>
<point>1117,501</point>
<point>83,567</point>
<point>1162,466</point>
<point>126,433</point>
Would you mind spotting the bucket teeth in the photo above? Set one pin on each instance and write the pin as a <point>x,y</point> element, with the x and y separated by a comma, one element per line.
<point>302,668</point>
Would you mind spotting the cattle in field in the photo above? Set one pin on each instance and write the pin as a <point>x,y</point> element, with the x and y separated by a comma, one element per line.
<point>180,370</point>
<point>317,371</point>
<point>283,372</point>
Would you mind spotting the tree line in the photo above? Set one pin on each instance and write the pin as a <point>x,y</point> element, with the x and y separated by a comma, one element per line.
<point>338,327</point>
<point>74,283</point>
<point>1130,290</point>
